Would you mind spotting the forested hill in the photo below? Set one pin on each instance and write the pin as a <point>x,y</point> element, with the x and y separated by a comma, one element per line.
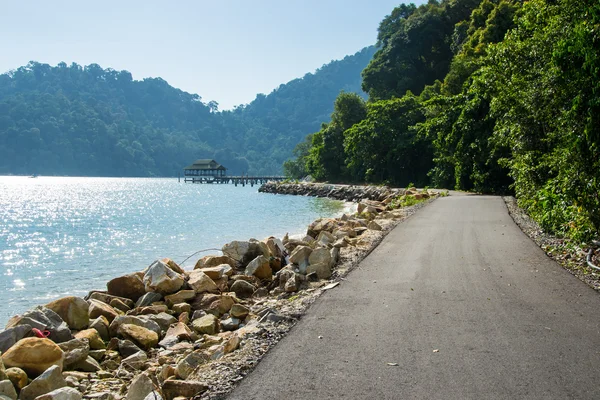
<point>90,121</point>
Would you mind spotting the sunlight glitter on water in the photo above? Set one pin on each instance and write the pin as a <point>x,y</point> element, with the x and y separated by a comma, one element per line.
<point>63,236</point>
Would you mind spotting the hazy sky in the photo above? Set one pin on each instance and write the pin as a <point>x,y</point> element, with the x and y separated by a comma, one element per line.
<point>223,50</point>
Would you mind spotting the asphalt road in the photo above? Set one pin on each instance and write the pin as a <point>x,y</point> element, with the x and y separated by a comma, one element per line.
<point>465,305</point>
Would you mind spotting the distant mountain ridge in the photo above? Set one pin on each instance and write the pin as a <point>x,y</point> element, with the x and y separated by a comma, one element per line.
<point>90,121</point>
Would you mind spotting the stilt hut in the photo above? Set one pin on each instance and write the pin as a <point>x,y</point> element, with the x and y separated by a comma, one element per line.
<point>204,171</point>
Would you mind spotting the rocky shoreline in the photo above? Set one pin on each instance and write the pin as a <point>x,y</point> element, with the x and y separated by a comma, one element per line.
<point>164,332</point>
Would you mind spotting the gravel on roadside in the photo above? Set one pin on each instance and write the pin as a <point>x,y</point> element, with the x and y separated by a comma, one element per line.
<point>570,255</point>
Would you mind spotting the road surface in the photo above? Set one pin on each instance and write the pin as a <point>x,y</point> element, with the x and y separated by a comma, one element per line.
<point>465,305</point>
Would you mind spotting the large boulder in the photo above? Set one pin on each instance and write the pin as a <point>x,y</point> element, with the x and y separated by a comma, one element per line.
<point>322,270</point>
<point>145,338</point>
<point>99,308</point>
<point>125,347</point>
<point>325,238</point>
<point>93,338</point>
<point>172,388</point>
<point>300,257</point>
<point>320,255</point>
<point>243,289</point>
<point>289,281</point>
<point>180,297</point>
<point>173,265</point>
<point>76,350</point>
<point>73,310</point>
<point>162,279</point>
<point>141,386</point>
<point>245,251</point>
<point>44,318</point>
<point>213,303</point>
<point>163,320</point>
<point>144,322</point>
<point>12,335</point>
<point>176,333</point>
<point>101,324</point>
<point>201,282</point>
<point>208,324</point>
<point>260,267</point>
<point>213,261</point>
<point>189,363</point>
<point>275,246</point>
<point>48,381</point>
<point>321,224</point>
<point>239,311</point>
<point>130,286</point>
<point>34,355</point>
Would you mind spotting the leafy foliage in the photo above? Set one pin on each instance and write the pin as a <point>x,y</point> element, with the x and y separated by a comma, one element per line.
<point>507,98</point>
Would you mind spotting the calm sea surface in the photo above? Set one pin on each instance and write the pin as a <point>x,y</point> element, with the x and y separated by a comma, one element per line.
<point>66,236</point>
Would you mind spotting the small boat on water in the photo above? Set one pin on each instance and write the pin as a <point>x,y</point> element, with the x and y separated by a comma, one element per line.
<point>34,176</point>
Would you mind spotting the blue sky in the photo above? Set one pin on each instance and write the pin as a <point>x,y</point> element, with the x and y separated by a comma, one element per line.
<point>223,50</point>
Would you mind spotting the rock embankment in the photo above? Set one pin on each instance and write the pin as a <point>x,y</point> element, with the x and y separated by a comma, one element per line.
<point>164,332</point>
<point>353,193</point>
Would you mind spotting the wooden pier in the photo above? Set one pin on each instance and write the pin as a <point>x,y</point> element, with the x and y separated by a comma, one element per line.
<point>210,171</point>
<point>236,180</point>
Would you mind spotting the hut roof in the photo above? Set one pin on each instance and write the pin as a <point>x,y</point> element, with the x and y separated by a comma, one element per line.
<point>205,164</point>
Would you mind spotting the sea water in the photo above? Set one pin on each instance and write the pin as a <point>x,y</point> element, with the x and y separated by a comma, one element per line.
<point>65,236</point>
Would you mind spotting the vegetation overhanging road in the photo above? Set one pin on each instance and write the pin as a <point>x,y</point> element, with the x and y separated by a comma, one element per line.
<point>455,303</point>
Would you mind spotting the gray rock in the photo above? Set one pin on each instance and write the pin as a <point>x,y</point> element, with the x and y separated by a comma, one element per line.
<point>87,365</point>
<point>64,393</point>
<point>76,350</point>
<point>188,364</point>
<point>162,279</point>
<point>12,335</point>
<point>97,355</point>
<point>320,256</point>
<point>136,361</point>
<point>230,324</point>
<point>163,320</point>
<point>140,387</point>
<point>148,299</point>
<point>7,389</point>
<point>244,252</point>
<point>100,324</point>
<point>198,314</point>
<point>128,348</point>
<point>323,270</point>
<point>243,289</point>
<point>50,380</point>
<point>300,257</point>
<point>44,318</point>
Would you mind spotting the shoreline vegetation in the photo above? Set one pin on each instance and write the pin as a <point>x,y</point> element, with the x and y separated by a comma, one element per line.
<point>169,333</point>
